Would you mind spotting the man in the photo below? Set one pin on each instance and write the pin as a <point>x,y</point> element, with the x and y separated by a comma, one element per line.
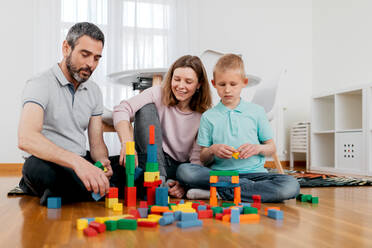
<point>58,107</point>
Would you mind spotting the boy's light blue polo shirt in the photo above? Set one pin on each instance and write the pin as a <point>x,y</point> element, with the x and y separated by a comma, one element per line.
<point>247,123</point>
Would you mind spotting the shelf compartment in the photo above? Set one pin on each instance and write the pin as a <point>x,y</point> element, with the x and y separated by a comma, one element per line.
<point>323,150</point>
<point>349,110</point>
<point>323,111</point>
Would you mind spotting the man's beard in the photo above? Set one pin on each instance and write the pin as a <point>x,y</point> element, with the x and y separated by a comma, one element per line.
<point>75,72</point>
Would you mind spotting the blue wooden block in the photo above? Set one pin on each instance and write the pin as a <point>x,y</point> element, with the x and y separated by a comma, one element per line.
<point>275,214</point>
<point>181,202</point>
<point>96,197</point>
<point>225,184</point>
<point>235,216</point>
<point>54,202</point>
<point>191,223</point>
<point>189,216</point>
<point>166,220</point>
<point>143,212</point>
<point>152,153</point>
<point>177,215</point>
<point>90,219</point>
<point>168,214</point>
<point>245,204</point>
<point>202,207</point>
<point>161,196</point>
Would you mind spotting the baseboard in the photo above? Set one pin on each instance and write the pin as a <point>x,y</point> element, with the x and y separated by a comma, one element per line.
<point>285,164</point>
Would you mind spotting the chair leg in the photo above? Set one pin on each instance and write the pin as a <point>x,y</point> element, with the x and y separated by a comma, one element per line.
<point>278,164</point>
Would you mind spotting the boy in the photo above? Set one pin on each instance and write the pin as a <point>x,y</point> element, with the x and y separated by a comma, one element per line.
<point>234,125</point>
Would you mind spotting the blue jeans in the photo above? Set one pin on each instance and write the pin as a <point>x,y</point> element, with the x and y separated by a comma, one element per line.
<point>272,187</point>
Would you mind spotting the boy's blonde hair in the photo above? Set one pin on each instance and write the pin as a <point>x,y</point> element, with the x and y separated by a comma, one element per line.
<point>202,99</point>
<point>229,62</point>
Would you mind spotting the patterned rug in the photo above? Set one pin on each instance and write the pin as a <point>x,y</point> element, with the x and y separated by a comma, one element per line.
<point>322,180</point>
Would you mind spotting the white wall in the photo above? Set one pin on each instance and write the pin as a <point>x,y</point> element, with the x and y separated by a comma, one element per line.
<point>270,35</point>
<point>16,44</point>
<point>342,43</point>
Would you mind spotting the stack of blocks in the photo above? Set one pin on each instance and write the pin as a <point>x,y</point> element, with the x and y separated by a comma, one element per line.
<point>130,191</point>
<point>213,179</point>
<point>152,175</point>
<point>307,198</point>
<point>112,199</point>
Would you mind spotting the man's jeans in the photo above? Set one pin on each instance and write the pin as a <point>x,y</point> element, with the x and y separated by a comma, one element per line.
<point>271,187</point>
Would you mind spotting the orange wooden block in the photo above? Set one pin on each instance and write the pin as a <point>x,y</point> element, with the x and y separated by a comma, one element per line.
<point>234,179</point>
<point>152,135</point>
<point>213,179</point>
<point>267,209</point>
<point>237,196</point>
<point>226,218</point>
<point>249,217</point>
<point>159,209</point>
<point>213,197</point>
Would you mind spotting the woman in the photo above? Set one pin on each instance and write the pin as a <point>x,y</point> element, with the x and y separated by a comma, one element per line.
<point>175,109</point>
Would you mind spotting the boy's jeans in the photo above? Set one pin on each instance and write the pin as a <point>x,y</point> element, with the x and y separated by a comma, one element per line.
<point>272,187</point>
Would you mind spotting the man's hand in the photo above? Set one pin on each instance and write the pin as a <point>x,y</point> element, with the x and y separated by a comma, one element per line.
<point>222,150</point>
<point>248,150</point>
<point>122,155</point>
<point>107,164</point>
<point>92,177</point>
<point>175,189</point>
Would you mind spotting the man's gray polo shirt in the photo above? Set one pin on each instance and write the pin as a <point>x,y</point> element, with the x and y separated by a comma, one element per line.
<point>66,113</point>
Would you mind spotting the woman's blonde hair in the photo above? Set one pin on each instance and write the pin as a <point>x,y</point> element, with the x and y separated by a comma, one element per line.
<point>201,100</point>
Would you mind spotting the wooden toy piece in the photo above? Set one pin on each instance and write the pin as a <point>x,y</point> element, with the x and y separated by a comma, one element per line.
<point>275,214</point>
<point>161,196</point>
<point>235,215</point>
<point>118,207</point>
<point>268,208</point>
<point>151,134</point>
<point>144,223</point>
<point>226,217</point>
<point>129,148</point>
<point>99,227</point>
<point>151,195</point>
<point>250,210</point>
<point>113,192</point>
<point>152,167</point>
<point>111,225</point>
<point>219,216</point>
<point>256,198</point>
<point>223,173</point>
<point>54,202</point>
<point>99,165</point>
<point>237,195</point>
<point>130,196</point>
<point>201,207</point>
<point>81,224</point>
<point>235,155</point>
<point>159,209</point>
<point>235,179</point>
<point>152,153</point>
<point>110,202</point>
<point>143,204</point>
<point>143,212</point>
<point>256,205</point>
<point>166,220</point>
<point>152,176</point>
<point>127,224</point>
<point>213,179</point>
<point>247,218</point>
<point>213,197</point>
<point>217,210</point>
<point>314,200</point>
<point>152,184</point>
<point>204,214</point>
<point>135,213</point>
<point>90,232</point>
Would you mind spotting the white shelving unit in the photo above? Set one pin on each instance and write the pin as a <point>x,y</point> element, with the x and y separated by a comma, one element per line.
<point>341,135</point>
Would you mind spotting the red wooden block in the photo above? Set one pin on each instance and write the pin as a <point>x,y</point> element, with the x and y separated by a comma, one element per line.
<point>227,211</point>
<point>130,196</point>
<point>202,202</point>
<point>113,192</point>
<point>219,216</point>
<point>99,227</point>
<point>195,206</point>
<point>135,213</point>
<point>256,198</point>
<point>143,204</point>
<point>90,232</point>
<point>204,214</point>
<point>208,206</point>
<point>152,184</point>
<point>147,223</point>
<point>152,135</point>
<point>256,205</point>
<point>151,195</point>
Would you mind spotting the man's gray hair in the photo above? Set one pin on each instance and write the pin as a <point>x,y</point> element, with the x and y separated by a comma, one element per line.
<point>84,28</point>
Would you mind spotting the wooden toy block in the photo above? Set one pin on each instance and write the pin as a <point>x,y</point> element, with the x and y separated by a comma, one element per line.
<point>201,207</point>
<point>134,213</point>
<point>111,202</point>
<point>96,196</point>
<point>235,215</point>
<point>152,153</point>
<point>226,211</point>
<point>105,169</point>
<point>250,210</point>
<point>127,224</point>
<point>219,216</point>
<point>247,218</point>
<point>144,223</point>
<point>151,195</point>
<point>298,197</point>
<point>225,184</point>
<point>235,179</point>
<point>130,196</point>
<point>111,225</point>
<point>159,209</point>
<point>226,218</point>
<point>113,193</point>
<point>130,180</point>
<point>81,224</point>
<point>235,155</point>
<point>143,204</point>
<point>189,216</point>
<point>152,176</point>
<point>152,167</point>
<point>267,209</point>
<point>161,196</point>
<point>187,224</point>
<point>195,205</point>
<point>275,214</point>
<point>256,198</point>
<point>204,214</point>
<point>129,148</point>
<point>118,207</point>
<point>224,173</point>
<point>130,164</point>
<point>256,205</point>
<point>90,232</point>
<point>217,210</point>
<point>213,197</point>
<point>227,204</point>
<point>152,184</point>
<point>213,179</point>
<point>143,212</point>
<point>99,165</point>
<point>166,220</point>
<point>151,134</point>
<point>99,227</point>
<point>237,196</point>
<point>54,202</point>
<point>314,200</point>
<point>99,220</point>
<point>154,217</point>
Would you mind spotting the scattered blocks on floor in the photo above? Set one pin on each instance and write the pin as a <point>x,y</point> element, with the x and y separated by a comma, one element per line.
<point>118,207</point>
<point>127,224</point>
<point>99,227</point>
<point>90,232</point>
<point>54,202</point>
<point>81,224</point>
<point>275,214</point>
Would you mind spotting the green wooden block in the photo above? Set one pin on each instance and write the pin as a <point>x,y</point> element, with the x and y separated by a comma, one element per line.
<point>216,210</point>
<point>152,167</point>
<point>111,225</point>
<point>130,180</point>
<point>224,173</point>
<point>99,165</point>
<point>250,210</point>
<point>306,198</point>
<point>171,204</point>
<point>298,198</point>
<point>127,224</point>
<point>130,164</point>
<point>314,200</point>
<point>228,204</point>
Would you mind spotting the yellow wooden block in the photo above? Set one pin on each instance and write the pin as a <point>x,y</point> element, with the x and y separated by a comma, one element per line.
<point>81,224</point>
<point>118,207</point>
<point>104,169</point>
<point>152,176</point>
<point>213,179</point>
<point>188,210</point>
<point>154,217</point>
<point>129,148</point>
<point>147,219</point>
<point>100,219</point>
<point>111,202</point>
<point>234,179</point>
<point>235,155</point>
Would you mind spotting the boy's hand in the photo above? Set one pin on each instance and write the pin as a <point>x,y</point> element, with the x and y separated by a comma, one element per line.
<point>175,189</point>
<point>248,150</point>
<point>222,150</point>
<point>107,164</point>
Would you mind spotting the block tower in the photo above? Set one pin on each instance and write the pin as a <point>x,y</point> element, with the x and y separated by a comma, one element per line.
<point>130,191</point>
<point>213,179</point>
<point>152,175</point>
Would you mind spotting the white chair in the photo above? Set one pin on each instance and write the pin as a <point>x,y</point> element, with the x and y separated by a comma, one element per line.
<point>267,96</point>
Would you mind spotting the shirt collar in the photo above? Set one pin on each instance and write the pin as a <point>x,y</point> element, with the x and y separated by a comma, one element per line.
<point>223,109</point>
<point>62,79</point>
